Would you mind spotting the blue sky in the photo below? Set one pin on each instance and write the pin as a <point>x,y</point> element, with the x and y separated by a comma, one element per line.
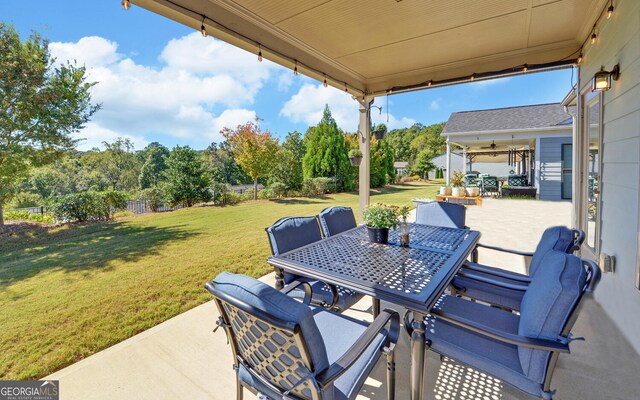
<point>161,81</point>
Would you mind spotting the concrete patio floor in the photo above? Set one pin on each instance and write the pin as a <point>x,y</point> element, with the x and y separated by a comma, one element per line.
<point>182,359</point>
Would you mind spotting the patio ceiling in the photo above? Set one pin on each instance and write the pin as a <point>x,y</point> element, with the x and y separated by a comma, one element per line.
<point>373,46</point>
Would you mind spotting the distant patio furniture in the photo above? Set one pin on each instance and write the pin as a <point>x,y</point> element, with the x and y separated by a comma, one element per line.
<point>285,349</point>
<point>519,180</point>
<point>518,186</point>
<point>463,200</point>
<point>504,288</point>
<point>519,350</point>
<point>489,184</point>
<point>471,180</point>
<point>413,277</point>
<point>334,220</point>
<point>290,233</point>
<point>440,213</point>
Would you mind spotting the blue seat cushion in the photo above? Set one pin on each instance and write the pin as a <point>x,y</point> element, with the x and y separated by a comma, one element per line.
<point>339,333</point>
<point>259,295</point>
<point>479,352</point>
<point>322,294</point>
<point>335,220</point>
<point>439,213</point>
<point>293,232</point>
<point>558,238</point>
<point>547,305</point>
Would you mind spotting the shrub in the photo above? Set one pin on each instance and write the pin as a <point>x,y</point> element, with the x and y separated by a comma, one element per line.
<point>24,215</point>
<point>406,179</point>
<point>278,189</point>
<point>153,198</point>
<point>89,206</point>
<point>25,200</point>
<point>416,177</point>
<point>232,198</point>
<point>317,186</point>
<point>248,194</point>
<point>265,194</point>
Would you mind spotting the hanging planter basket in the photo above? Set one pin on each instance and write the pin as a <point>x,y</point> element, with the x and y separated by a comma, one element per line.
<point>355,161</point>
<point>379,135</point>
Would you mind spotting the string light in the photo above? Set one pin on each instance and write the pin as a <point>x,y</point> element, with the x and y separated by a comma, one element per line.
<point>295,69</point>
<point>346,89</point>
<point>473,76</point>
<point>429,83</point>
<point>579,60</point>
<point>525,68</point>
<point>593,37</point>
<point>325,81</point>
<point>259,53</point>
<point>126,4</point>
<point>610,10</point>
<point>203,30</point>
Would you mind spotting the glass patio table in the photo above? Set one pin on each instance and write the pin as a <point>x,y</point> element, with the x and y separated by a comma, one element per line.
<point>413,277</point>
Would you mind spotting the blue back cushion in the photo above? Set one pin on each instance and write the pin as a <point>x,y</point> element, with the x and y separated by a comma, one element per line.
<point>558,238</point>
<point>546,306</point>
<point>263,297</point>
<point>334,220</point>
<point>439,213</point>
<point>292,232</point>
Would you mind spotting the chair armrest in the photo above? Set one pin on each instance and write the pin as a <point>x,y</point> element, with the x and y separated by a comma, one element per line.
<point>520,253</point>
<point>492,271</point>
<point>293,285</point>
<point>340,366</point>
<point>513,286</point>
<point>561,345</point>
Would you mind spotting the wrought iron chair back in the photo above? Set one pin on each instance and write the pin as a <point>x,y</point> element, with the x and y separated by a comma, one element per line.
<point>273,351</point>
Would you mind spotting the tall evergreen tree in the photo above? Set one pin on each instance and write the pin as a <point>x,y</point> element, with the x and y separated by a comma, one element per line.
<point>327,153</point>
<point>187,180</point>
<point>155,163</point>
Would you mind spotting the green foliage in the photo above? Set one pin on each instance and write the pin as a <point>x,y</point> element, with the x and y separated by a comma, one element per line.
<point>27,216</point>
<point>122,214</point>
<point>381,216</point>
<point>265,194</point>
<point>407,143</point>
<point>41,107</point>
<point>116,168</point>
<point>381,167</point>
<point>25,200</point>
<point>327,154</point>
<point>221,166</point>
<point>287,170</point>
<point>187,180</point>
<point>89,206</point>
<point>253,150</point>
<point>355,153</point>
<point>457,179</point>
<point>317,186</point>
<point>153,198</point>
<point>423,164</point>
<point>279,189</point>
<point>152,171</point>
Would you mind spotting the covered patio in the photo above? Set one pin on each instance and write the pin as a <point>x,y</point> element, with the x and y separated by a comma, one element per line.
<point>182,358</point>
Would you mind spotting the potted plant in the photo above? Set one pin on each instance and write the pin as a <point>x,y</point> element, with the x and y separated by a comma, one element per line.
<point>378,134</point>
<point>457,181</point>
<point>445,190</point>
<point>379,218</point>
<point>473,191</point>
<point>403,212</point>
<point>355,157</point>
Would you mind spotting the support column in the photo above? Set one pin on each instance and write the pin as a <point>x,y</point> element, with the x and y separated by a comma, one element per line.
<point>464,160</point>
<point>364,136</point>
<point>448,174</point>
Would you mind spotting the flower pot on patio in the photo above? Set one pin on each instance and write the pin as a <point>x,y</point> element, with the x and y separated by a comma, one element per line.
<point>378,235</point>
<point>473,191</point>
<point>445,190</point>
<point>458,191</point>
<point>355,161</point>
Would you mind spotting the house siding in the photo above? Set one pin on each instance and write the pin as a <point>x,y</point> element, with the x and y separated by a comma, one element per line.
<point>550,183</point>
<point>619,42</point>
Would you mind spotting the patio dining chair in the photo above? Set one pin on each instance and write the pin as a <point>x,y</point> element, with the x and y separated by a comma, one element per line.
<point>334,220</point>
<point>489,184</point>
<point>471,180</point>
<point>519,350</point>
<point>285,349</point>
<point>439,213</point>
<point>504,288</point>
<point>519,180</point>
<point>290,233</point>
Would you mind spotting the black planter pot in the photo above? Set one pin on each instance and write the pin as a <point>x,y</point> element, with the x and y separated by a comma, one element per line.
<point>379,135</point>
<point>378,235</point>
<point>355,161</point>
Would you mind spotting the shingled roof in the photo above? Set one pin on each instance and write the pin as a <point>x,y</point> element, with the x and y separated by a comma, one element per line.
<point>498,119</point>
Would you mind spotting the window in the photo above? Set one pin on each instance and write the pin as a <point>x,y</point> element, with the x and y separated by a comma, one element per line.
<point>567,172</point>
<point>592,173</point>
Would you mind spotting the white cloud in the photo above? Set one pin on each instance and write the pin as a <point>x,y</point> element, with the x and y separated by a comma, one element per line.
<point>93,135</point>
<point>435,104</point>
<point>308,104</point>
<point>179,99</point>
<point>479,85</point>
<point>285,80</point>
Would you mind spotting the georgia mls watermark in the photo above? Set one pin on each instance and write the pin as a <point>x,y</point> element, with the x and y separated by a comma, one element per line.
<point>29,390</point>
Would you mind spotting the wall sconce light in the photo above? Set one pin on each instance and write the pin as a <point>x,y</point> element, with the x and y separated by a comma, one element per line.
<point>602,79</point>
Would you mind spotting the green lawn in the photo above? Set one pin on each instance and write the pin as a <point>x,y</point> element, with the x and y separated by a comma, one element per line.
<point>68,292</point>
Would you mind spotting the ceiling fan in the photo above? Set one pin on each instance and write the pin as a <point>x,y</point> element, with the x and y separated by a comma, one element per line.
<point>492,146</point>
